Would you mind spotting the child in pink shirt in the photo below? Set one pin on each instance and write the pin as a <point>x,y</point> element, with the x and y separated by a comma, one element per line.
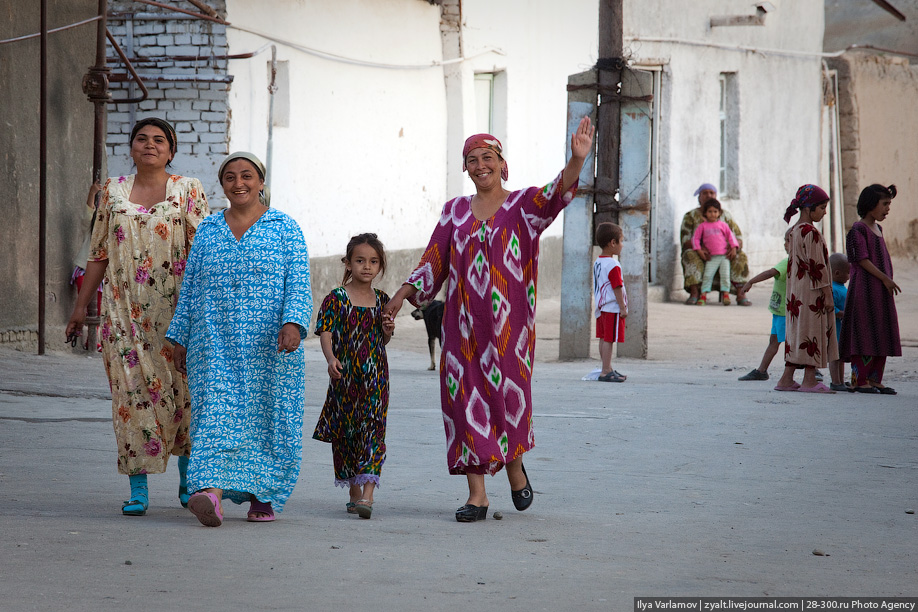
<point>716,245</point>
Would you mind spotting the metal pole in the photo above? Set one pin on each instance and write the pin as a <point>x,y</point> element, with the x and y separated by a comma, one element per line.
<point>42,173</point>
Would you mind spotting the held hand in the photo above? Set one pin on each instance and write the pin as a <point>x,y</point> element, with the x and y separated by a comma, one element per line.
<point>288,339</point>
<point>388,324</point>
<point>747,286</point>
<point>582,139</point>
<point>179,358</point>
<point>334,369</point>
<point>391,310</point>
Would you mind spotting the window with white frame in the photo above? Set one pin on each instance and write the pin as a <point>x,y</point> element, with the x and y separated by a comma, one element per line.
<point>728,186</point>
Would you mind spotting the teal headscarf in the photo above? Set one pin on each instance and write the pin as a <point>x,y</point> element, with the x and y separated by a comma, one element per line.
<point>264,196</point>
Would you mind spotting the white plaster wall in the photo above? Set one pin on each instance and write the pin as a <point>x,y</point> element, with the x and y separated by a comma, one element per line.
<point>543,44</point>
<point>886,90</point>
<point>365,147</point>
<point>780,104</point>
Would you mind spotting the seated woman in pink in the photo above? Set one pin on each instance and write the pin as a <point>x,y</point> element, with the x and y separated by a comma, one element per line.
<point>716,238</point>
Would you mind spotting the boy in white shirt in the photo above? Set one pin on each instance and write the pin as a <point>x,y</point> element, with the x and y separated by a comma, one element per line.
<point>609,297</point>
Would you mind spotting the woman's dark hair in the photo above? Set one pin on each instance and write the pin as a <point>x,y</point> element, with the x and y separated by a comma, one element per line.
<point>162,124</point>
<point>871,196</point>
<point>355,242</point>
<point>712,203</point>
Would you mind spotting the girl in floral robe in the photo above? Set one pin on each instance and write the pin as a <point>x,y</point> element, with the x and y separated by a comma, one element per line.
<point>810,340</point>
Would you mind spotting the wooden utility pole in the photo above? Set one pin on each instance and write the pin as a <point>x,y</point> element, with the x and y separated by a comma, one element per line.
<point>608,128</point>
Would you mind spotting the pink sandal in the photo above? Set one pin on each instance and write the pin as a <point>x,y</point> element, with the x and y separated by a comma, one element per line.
<point>794,387</point>
<point>206,507</point>
<point>260,507</point>
<point>817,388</point>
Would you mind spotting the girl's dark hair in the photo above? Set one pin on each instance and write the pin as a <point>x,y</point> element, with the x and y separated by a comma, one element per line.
<point>162,124</point>
<point>871,196</point>
<point>355,242</point>
<point>712,203</point>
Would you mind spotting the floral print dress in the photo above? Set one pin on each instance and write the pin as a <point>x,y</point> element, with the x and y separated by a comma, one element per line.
<point>810,338</point>
<point>146,250</point>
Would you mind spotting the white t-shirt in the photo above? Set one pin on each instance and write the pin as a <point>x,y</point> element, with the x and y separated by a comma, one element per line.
<point>607,275</point>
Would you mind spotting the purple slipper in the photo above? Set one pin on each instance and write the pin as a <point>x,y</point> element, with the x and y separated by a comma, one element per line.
<point>206,507</point>
<point>817,388</point>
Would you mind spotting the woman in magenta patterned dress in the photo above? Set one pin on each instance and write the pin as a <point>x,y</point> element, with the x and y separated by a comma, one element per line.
<point>486,249</point>
<point>870,329</point>
<point>810,339</point>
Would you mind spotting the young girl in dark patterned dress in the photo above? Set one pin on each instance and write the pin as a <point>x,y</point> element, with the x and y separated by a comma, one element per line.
<point>353,334</point>
<point>870,328</point>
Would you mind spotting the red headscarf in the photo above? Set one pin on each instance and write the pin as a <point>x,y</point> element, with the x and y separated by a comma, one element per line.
<point>807,197</point>
<point>484,141</point>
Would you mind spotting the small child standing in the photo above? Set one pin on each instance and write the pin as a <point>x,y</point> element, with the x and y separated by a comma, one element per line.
<point>610,298</point>
<point>716,245</point>
<point>777,307</point>
<point>353,334</point>
<point>841,270</point>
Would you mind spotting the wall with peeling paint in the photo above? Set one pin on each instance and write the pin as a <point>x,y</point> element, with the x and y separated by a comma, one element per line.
<point>779,98</point>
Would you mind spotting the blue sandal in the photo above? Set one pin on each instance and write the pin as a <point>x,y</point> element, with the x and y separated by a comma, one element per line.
<point>140,500</point>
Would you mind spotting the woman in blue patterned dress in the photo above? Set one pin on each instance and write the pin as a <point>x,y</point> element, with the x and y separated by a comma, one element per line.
<point>245,306</point>
<point>354,335</point>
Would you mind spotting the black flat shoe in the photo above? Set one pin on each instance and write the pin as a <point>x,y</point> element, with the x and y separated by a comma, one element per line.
<point>885,390</point>
<point>522,499</point>
<point>469,513</point>
<point>864,390</point>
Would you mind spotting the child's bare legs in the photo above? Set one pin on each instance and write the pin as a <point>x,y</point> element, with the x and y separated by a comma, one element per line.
<point>605,353</point>
<point>809,377</point>
<point>837,371</point>
<point>770,352</point>
<point>787,379</point>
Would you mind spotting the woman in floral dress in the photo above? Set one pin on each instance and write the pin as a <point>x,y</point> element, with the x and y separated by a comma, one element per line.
<point>486,249</point>
<point>810,340</point>
<point>140,242</point>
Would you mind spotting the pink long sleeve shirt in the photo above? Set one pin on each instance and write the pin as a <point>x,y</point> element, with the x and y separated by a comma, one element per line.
<point>716,237</point>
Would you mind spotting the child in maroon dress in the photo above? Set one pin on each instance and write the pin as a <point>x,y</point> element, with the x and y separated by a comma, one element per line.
<point>870,328</point>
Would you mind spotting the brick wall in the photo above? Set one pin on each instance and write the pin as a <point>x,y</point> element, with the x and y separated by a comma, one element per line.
<point>188,86</point>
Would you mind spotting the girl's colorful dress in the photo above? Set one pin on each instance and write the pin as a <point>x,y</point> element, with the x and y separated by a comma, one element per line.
<point>353,418</point>
<point>146,249</point>
<point>870,326</point>
<point>490,269</point>
<point>246,397</point>
<point>810,338</point>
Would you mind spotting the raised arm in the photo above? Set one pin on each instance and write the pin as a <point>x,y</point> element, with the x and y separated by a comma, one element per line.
<point>581,146</point>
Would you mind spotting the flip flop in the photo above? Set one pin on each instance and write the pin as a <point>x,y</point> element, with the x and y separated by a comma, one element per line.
<point>351,507</point>
<point>886,390</point>
<point>619,374</point>
<point>611,377</point>
<point>364,508</point>
<point>206,507</point>
<point>743,302</point>
<point>817,388</point>
<point>865,389</point>
<point>260,507</point>
<point>793,387</point>
<point>691,301</point>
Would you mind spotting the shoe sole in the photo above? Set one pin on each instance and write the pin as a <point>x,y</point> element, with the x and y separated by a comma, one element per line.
<point>205,511</point>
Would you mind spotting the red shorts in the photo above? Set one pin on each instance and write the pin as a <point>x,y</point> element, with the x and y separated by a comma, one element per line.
<point>610,327</point>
